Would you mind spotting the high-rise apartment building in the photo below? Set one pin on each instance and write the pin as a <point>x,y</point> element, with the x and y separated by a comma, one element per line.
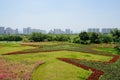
<point>106,30</point>
<point>27,30</point>
<point>16,31</point>
<point>2,30</point>
<point>38,30</point>
<point>68,31</point>
<point>9,30</point>
<point>97,30</point>
<point>59,31</point>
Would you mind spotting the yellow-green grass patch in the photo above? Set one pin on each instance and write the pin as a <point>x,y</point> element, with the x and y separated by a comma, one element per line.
<point>12,47</point>
<point>59,70</point>
<point>87,56</point>
<point>47,43</point>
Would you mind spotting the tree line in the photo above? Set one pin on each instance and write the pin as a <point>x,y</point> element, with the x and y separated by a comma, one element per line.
<point>39,37</point>
<point>11,37</point>
<point>82,38</point>
<point>92,37</point>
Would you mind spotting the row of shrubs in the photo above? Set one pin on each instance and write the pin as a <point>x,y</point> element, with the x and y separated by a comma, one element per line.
<point>39,37</point>
<point>11,38</point>
<point>86,37</point>
<point>34,37</point>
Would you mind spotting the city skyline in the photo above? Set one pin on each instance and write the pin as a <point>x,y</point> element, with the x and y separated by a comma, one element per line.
<point>29,30</point>
<point>76,15</point>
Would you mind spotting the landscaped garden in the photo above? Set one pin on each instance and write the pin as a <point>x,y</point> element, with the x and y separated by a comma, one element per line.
<point>57,61</point>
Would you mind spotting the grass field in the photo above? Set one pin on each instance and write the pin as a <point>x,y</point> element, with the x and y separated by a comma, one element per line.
<point>52,69</point>
<point>12,47</point>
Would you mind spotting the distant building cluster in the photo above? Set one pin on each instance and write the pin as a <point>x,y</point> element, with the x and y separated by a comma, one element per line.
<point>103,30</point>
<point>97,30</point>
<point>8,30</point>
<point>28,30</point>
<point>107,30</point>
<point>59,31</point>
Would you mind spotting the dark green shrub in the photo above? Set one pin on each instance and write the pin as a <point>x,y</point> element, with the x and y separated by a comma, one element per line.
<point>84,38</point>
<point>62,38</point>
<point>37,37</point>
<point>76,40</point>
<point>94,37</point>
<point>1,38</point>
<point>105,38</point>
<point>116,35</point>
<point>11,38</point>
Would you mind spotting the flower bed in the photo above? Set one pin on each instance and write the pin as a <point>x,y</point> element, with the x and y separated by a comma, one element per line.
<point>96,73</point>
<point>16,71</point>
<point>94,76</point>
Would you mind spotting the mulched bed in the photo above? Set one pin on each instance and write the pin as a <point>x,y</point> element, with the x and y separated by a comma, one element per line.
<point>114,59</point>
<point>20,52</point>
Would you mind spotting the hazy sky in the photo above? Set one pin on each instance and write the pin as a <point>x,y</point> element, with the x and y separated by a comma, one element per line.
<point>48,14</point>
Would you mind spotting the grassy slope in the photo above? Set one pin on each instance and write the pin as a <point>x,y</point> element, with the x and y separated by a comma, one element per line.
<point>12,47</point>
<point>57,69</point>
<point>109,50</point>
<point>53,67</point>
<point>87,56</point>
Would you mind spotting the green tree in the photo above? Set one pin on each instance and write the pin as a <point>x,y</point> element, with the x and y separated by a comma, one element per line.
<point>106,38</point>
<point>62,38</point>
<point>94,37</point>
<point>84,37</point>
<point>76,40</point>
<point>37,37</point>
<point>48,38</point>
<point>1,38</point>
<point>12,38</point>
<point>18,38</point>
<point>116,38</point>
<point>116,35</point>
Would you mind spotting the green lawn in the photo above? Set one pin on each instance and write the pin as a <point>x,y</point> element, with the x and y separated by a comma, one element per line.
<point>86,56</point>
<point>12,47</point>
<point>58,70</point>
<point>108,50</point>
<point>53,69</point>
